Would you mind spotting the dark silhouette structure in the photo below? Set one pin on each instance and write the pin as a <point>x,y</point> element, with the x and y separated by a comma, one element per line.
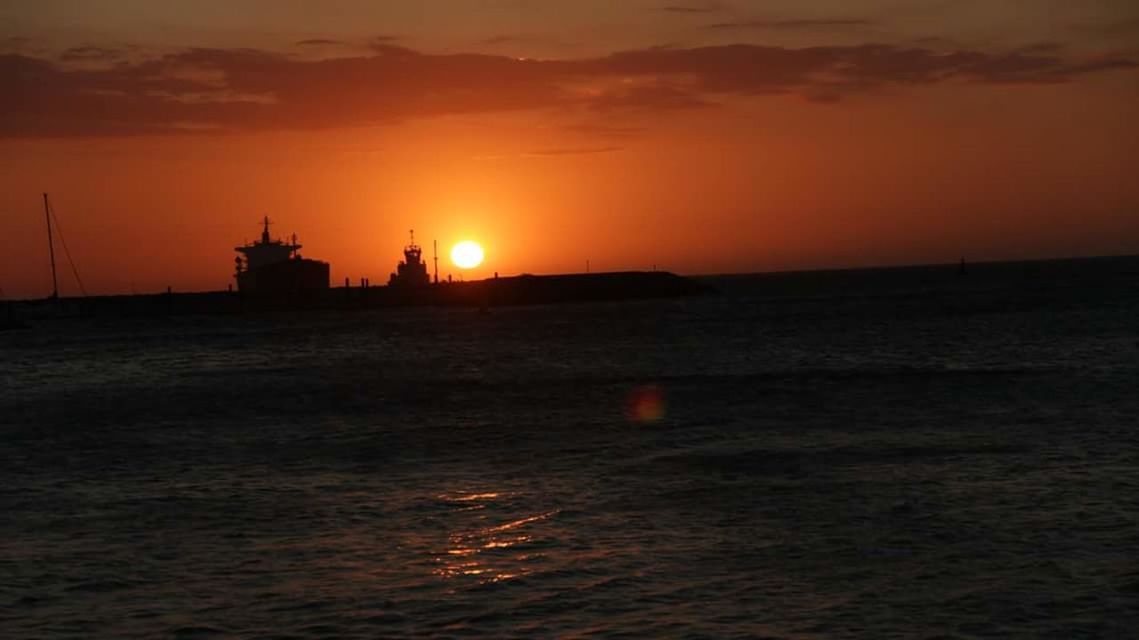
<point>274,267</point>
<point>51,250</point>
<point>49,215</point>
<point>412,270</point>
<point>272,275</point>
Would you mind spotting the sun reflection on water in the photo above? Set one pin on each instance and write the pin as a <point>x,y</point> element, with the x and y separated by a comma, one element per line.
<point>489,553</point>
<point>469,497</point>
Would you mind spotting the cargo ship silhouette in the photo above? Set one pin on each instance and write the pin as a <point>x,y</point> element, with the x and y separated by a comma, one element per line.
<point>271,274</point>
<point>274,267</point>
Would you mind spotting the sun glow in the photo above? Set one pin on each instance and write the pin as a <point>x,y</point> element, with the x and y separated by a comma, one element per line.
<point>467,254</point>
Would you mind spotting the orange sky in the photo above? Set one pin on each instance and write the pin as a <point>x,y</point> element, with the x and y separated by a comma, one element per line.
<point>698,137</point>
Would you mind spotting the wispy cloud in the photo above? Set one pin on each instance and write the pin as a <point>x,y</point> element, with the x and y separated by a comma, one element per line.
<point>1041,48</point>
<point>573,151</point>
<point>505,40</point>
<point>15,41</point>
<point>319,42</point>
<point>90,53</point>
<point>1128,27</point>
<point>692,9</point>
<point>798,23</point>
<point>250,90</point>
<point>549,153</point>
<point>604,130</point>
<point>382,43</point>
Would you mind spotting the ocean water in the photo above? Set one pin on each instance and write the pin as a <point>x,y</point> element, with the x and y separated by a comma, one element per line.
<point>897,453</point>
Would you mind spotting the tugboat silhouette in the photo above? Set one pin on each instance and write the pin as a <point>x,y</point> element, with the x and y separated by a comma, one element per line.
<point>412,271</point>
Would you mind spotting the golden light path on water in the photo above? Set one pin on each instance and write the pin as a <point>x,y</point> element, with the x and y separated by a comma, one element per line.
<point>487,553</point>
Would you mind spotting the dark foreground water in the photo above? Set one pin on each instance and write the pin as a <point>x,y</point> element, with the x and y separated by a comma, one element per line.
<point>902,453</point>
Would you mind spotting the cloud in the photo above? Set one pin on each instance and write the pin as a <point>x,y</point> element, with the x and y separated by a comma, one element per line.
<point>504,39</point>
<point>319,42</point>
<point>522,40</point>
<point>801,23</point>
<point>383,44</point>
<point>938,42</point>
<point>1041,48</point>
<point>605,130</point>
<point>550,153</point>
<point>699,9</point>
<point>574,151</point>
<point>202,89</point>
<point>90,53</point>
<point>1128,27</point>
<point>654,96</point>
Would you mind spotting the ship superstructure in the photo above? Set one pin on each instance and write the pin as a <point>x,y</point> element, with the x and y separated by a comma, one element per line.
<point>276,267</point>
<point>412,270</point>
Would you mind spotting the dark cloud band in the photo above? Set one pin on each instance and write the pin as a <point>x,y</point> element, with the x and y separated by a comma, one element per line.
<point>248,90</point>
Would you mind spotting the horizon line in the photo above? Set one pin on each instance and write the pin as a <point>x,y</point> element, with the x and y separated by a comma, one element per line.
<point>720,274</point>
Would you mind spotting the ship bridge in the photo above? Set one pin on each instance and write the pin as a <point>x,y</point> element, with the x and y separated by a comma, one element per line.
<point>412,271</point>
<point>267,251</point>
<point>275,267</point>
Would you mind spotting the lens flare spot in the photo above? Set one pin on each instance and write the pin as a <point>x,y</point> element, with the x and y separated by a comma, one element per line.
<point>645,405</point>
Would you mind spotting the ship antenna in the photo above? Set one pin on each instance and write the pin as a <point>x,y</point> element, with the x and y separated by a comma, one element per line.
<point>51,251</point>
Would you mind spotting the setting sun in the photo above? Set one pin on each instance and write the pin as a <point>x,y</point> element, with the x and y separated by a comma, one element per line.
<point>467,255</point>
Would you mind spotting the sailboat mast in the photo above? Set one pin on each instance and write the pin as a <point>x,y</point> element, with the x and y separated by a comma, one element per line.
<point>435,244</point>
<point>51,250</point>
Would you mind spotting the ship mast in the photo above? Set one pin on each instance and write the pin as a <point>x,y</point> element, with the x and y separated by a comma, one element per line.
<point>435,244</point>
<point>51,251</point>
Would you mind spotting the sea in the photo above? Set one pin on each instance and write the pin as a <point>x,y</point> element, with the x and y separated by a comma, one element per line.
<point>889,453</point>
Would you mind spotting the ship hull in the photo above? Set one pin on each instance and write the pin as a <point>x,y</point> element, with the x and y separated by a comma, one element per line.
<point>286,278</point>
<point>520,290</point>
